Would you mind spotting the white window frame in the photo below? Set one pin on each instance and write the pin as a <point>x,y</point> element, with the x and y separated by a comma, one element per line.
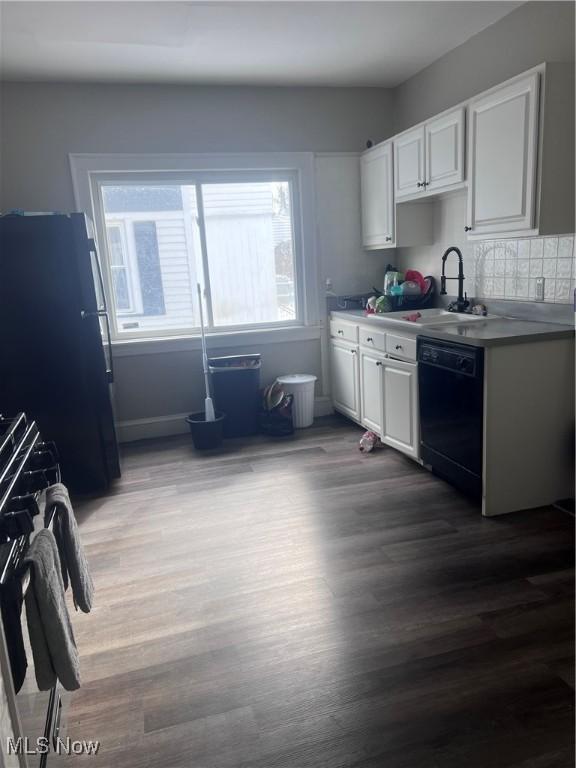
<point>130,264</point>
<point>91,171</point>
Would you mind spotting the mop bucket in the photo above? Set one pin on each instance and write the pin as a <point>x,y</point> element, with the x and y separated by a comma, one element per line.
<point>206,434</point>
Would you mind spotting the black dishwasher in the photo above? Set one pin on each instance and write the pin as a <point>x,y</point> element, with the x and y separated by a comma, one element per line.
<point>451,387</point>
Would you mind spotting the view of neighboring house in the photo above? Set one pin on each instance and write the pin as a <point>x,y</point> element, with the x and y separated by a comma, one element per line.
<point>154,242</point>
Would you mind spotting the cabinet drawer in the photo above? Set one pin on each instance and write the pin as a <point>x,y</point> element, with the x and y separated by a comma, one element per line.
<point>401,346</point>
<point>340,329</point>
<point>373,339</point>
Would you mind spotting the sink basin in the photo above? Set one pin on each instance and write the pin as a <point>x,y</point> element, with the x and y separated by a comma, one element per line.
<point>428,317</point>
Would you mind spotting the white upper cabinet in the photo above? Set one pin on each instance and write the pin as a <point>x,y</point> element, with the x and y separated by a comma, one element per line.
<point>376,176</point>
<point>430,158</point>
<point>502,156</point>
<point>445,150</point>
<point>409,167</point>
<point>512,147</point>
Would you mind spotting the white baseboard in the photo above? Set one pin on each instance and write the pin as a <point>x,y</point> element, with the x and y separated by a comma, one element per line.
<point>323,406</point>
<point>175,424</point>
<point>155,426</point>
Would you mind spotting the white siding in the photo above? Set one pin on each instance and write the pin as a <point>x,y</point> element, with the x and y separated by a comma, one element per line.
<point>242,272</point>
<point>240,240</point>
<point>174,251</point>
<point>237,199</point>
<point>177,253</point>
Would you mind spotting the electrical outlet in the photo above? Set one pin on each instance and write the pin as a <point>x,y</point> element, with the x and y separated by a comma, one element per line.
<point>539,289</point>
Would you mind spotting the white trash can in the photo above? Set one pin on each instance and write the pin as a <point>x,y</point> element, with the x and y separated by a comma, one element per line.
<point>301,385</point>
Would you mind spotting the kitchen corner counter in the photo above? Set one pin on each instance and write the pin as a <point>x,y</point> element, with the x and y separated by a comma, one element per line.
<point>477,333</point>
<point>496,332</point>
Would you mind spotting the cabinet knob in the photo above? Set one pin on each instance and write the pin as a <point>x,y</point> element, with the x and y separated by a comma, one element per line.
<point>378,362</point>
<point>420,183</point>
<point>353,351</point>
<point>467,229</point>
<point>341,332</point>
<point>369,338</point>
<point>398,346</point>
<point>388,239</point>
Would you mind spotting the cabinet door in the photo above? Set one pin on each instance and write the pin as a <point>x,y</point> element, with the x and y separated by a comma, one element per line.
<point>377,197</point>
<point>401,428</point>
<point>345,385</point>
<point>445,151</point>
<point>502,150</point>
<point>371,391</point>
<point>409,168</point>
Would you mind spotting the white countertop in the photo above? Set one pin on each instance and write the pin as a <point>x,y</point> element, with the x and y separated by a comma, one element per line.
<point>477,333</point>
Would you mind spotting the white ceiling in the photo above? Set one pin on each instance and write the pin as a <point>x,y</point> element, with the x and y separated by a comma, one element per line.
<point>256,43</point>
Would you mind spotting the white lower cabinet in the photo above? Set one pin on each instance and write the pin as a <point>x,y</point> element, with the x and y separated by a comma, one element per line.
<point>371,391</point>
<point>400,422</point>
<point>345,378</point>
<point>375,390</point>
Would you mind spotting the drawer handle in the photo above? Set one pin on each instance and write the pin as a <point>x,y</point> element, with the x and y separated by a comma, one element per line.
<point>369,338</point>
<point>341,332</point>
<point>398,346</point>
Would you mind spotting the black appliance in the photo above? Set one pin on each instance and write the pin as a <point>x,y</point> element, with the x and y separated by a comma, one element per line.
<point>451,387</point>
<point>53,360</point>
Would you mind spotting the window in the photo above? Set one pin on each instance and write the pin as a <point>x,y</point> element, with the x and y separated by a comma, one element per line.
<point>232,234</point>
<point>120,277</point>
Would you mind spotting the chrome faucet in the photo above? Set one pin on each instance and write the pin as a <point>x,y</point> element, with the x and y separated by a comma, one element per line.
<point>461,304</point>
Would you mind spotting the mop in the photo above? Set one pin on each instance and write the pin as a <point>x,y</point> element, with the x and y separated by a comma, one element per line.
<point>208,404</point>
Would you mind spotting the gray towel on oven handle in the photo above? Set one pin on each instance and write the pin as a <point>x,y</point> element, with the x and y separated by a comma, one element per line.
<point>51,635</point>
<point>72,557</point>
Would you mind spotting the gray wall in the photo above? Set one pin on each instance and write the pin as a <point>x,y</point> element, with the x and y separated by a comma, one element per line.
<point>42,123</point>
<point>174,382</point>
<point>533,33</point>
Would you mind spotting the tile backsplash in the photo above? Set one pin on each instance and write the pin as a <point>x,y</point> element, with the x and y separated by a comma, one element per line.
<point>508,269</point>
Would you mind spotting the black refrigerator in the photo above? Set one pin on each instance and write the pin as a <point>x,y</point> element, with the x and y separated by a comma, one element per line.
<point>55,351</point>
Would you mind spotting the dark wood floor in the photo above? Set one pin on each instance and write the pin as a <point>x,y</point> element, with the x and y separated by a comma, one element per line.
<point>300,605</point>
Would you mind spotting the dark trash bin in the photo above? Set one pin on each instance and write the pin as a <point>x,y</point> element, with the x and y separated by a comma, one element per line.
<point>206,434</point>
<point>235,390</point>
<point>277,422</point>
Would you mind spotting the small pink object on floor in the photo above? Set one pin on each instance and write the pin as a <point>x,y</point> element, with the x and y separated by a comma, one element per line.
<point>369,441</point>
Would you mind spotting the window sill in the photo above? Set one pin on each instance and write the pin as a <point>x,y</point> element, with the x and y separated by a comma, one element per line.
<point>223,340</point>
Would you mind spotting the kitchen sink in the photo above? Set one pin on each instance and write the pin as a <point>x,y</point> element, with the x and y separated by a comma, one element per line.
<point>428,317</point>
